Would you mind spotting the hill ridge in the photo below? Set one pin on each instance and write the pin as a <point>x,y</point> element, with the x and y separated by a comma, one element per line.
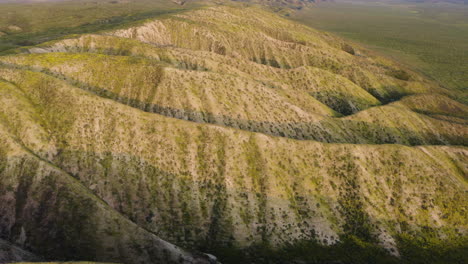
<point>195,143</point>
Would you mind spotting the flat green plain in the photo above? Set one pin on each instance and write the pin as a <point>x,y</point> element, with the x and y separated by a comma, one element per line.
<point>431,38</point>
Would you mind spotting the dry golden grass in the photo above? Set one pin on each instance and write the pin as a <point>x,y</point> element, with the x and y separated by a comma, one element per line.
<point>136,139</point>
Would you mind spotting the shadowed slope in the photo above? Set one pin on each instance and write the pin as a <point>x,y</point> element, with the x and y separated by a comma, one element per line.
<point>96,151</point>
<point>69,262</point>
<point>40,200</point>
<point>200,185</point>
<point>10,253</point>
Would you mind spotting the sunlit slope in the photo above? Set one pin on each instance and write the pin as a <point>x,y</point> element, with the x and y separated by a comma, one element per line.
<point>282,108</point>
<point>185,129</point>
<point>437,106</point>
<point>194,184</point>
<point>265,38</point>
<point>336,92</point>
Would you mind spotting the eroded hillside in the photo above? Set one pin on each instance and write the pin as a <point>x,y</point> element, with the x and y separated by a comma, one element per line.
<point>185,129</point>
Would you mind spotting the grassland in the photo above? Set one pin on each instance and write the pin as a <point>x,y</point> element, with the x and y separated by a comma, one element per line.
<point>185,129</point>
<point>429,37</point>
<point>24,24</point>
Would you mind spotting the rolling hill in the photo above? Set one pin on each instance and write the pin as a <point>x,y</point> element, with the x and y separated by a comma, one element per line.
<point>232,131</point>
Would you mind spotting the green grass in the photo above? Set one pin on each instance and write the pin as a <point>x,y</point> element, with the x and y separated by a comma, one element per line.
<point>431,38</point>
<point>26,24</point>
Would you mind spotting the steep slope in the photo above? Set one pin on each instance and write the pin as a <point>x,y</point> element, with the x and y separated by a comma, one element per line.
<point>11,253</point>
<point>245,189</point>
<point>274,101</point>
<point>109,145</point>
<point>39,200</point>
<point>438,106</point>
<point>264,38</point>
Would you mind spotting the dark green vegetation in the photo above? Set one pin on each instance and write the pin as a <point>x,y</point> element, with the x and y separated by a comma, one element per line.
<point>228,130</point>
<point>68,262</point>
<point>350,250</point>
<point>429,37</point>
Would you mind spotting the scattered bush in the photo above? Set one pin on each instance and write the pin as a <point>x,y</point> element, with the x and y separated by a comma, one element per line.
<point>348,48</point>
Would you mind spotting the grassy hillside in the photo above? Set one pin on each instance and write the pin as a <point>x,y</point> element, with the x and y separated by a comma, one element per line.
<point>30,23</point>
<point>243,194</point>
<point>185,129</point>
<point>41,200</point>
<point>303,97</point>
